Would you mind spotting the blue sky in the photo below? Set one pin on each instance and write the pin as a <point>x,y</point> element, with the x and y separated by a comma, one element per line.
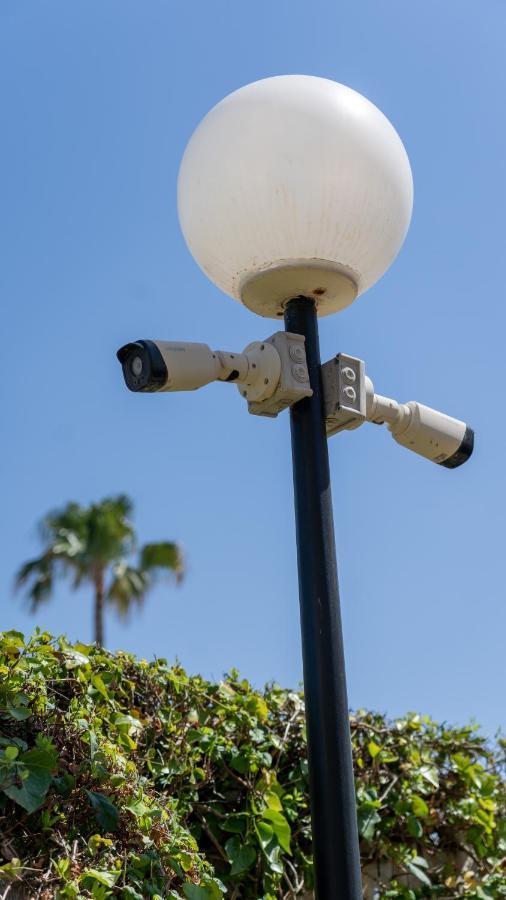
<point>98,100</point>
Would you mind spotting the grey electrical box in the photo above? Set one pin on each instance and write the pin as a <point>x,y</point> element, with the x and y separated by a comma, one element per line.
<point>294,378</point>
<point>344,394</point>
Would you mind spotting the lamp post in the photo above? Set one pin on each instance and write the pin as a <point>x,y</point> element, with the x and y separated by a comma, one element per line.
<point>295,195</point>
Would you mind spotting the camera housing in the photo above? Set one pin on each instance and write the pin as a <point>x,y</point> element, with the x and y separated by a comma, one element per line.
<point>350,400</point>
<point>270,374</point>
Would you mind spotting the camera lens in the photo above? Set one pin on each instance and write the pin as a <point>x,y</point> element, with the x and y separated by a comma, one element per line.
<point>143,366</point>
<point>136,366</point>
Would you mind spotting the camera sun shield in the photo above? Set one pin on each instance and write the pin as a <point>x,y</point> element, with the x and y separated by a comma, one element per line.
<point>143,366</point>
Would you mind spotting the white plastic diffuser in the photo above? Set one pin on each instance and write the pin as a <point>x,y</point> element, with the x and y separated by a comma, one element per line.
<point>295,185</point>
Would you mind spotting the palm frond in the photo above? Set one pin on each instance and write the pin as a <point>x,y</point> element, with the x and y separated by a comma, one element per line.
<point>163,556</point>
<point>128,586</point>
<point>38,574</point>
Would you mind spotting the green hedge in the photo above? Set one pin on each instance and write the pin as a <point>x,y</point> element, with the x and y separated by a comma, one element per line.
<point>123,778</point>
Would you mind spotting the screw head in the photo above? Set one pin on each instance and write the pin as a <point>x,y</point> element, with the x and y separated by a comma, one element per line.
<point>296,352</point>
<point>300,373</point>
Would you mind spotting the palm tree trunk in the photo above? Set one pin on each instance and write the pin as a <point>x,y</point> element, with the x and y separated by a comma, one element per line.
<point>98,581</point>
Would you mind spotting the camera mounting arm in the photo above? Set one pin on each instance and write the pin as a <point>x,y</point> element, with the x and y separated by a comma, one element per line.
<point>270,374</point>
<point>350,400</point>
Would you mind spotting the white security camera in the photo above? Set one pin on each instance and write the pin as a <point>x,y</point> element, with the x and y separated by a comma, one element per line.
<point>270,374</point>
<point>177,366</point>
<point>350,400</point>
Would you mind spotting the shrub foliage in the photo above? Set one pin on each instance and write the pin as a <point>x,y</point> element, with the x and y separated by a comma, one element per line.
<point>123,778</point>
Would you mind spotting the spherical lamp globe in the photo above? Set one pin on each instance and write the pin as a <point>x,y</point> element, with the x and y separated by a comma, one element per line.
<point>295,185</point>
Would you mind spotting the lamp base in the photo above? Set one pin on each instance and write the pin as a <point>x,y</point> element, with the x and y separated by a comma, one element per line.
<point>331,287</point>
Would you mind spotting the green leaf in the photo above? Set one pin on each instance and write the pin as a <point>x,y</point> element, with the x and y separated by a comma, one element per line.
<point>139,809</point>
<point>202,891</point>
<point>374,749</point>
<point>99,686</point>
<point>109,879</point>
<point>129,893</point>
<point>242,856</point>
<point>11,871</point>
<point>419,806</point>
<point>265,833</point>
<point>239,763</point>
<point>13,638</point>
<point>273,802</point>
<point>430,774</point>
<point>258,707</point>
<point>236,823</point>
<point>11,752</point>
<point>415,827</point>
<point>17,708</point>
<point>280,827</point>
<point>368,817</point>
<point>274,857</point>
<point>416,866</point>
<point>106,813</point>
<point>64,784</point>
<point>73,658</point>
<point>39,764</point>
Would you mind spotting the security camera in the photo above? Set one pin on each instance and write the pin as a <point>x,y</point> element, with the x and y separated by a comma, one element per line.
<point>350,400</point>
<point>170,366</point>
<point>270,374</point>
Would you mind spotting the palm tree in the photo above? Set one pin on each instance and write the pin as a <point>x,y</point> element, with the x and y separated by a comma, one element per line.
<point>93,544</point>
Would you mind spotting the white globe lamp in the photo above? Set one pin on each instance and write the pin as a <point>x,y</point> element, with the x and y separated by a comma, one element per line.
<point>295,185</point>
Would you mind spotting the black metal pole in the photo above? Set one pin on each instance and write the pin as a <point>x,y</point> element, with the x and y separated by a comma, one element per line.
<point>333,806</point>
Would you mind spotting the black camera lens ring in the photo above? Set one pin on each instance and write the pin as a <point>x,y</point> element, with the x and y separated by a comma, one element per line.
<point>153,373</point>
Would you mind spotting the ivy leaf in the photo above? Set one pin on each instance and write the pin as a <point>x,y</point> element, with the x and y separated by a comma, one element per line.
<point>419,806</point>
<point>11,870</point>
<point>368,817</point>
<point>265,834</point>
<point>374,749</point>
<point>106,813</point>
<point>239,763</point>
<point>258,707</point>
<point>416,866</point>
<point>11,752</point>
<point>280,827</point>
<point>236,823</point>
<point>138,808</point>
<point>73,658</point>
<point>209,891</point>
<point>430,774</point>
<point>17,707</point>
<point>64,784</point>
<point>99,686</point>
<point>103,877</point>
<point>129,892</point>
<point>273,802</point>
<point>415,827</point>
<point>275,863</point>
<point>39,764</point>
<point>242,856</point>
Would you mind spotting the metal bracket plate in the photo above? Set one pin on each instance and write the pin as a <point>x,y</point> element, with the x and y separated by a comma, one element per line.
<point>344,393</point>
